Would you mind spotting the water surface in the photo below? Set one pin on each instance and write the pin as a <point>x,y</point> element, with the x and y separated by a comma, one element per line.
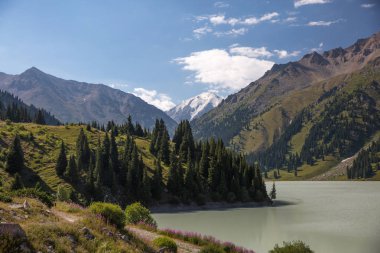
<point>331,217</point>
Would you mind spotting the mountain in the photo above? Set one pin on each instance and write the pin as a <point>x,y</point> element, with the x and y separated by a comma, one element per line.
<point>255,117</point>
<point>16,110</point>
<point>194,107</point>
<point>72,101</point>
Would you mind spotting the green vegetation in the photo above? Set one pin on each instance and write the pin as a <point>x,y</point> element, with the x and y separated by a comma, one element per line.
<point>13,109</point>
<point>335,127</point>
<point>292,247</point>
<point>111,212</point>
<point>137,213</point>
<point>165,242</point>
<point>367,162</point>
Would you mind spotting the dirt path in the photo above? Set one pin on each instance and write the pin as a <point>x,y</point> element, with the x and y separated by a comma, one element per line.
<point>68,217</point>
<point>148,236</point>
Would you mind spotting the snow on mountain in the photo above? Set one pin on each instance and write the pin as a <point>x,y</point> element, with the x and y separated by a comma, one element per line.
<point>194,107</point>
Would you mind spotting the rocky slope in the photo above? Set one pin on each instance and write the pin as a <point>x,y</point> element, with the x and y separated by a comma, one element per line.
<point>72,101</point>
<point>194,107</point>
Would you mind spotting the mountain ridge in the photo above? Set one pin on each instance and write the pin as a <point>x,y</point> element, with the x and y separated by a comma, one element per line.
<point>250,119</point>
<point>194,107</point>
<point>73,101</point>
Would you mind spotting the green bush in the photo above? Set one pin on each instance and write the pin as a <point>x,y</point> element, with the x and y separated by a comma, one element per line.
<point>165,242</point>
<point>35,193</point>
<point>292,247</point>
<point>5,198</point>
<point>63,194</point>
<point>137,213</point>
<point>211,249</point>
<point>111,212</point>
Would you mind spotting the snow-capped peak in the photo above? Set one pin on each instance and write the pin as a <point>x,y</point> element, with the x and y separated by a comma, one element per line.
<point>194,107</point>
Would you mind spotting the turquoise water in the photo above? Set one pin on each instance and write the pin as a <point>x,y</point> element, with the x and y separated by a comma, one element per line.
<point>331,217</point>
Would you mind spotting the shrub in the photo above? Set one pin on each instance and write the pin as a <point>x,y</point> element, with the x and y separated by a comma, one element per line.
<point>211,249</point>
<point>5,198</point>
<point>111,212</point>
<point>292,247</point>
<point>63,194</point>
<point>11,244</point>
<point>35,193</point>
<point>137,213</point>
<point>165,242</point>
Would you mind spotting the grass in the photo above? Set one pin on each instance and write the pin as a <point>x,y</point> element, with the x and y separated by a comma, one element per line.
<point>306,172</point>
<point>44,229</point>
<point>41,153</point>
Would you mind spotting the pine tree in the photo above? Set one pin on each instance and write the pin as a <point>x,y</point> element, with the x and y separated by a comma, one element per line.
<point>40,119</point>
<point>157,181</point>
<point>61,164</point>
<point>164,153</point>
<point>272,193</point>
<point>173,184</point>
<point>71,170</point>
<point>146,188</point>
<point>15,157</point>
<point>114,156</point>
<point>82,151</point>
<point>17,182</point>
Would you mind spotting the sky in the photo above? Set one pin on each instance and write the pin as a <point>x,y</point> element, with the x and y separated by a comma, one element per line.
<point>165,51</point>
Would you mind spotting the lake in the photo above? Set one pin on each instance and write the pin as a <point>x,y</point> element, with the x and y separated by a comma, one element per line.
<point>331,217</point>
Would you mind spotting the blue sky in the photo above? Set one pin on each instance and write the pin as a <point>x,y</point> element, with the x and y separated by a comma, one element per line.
<point>168,50</point>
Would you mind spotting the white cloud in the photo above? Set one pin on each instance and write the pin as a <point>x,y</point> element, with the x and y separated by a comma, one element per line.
<point>220,19</point>
<point>199,32</point>
<point>260,52</point>
<point>322,23</point>
<point>298,3</point>
<point>317,49</point>
<point>221,5</point>
<point>255,21</point>
<point>285,54</point>
<point>290,19</point>
<point>159,100</point>
<point>222,70</point>
<point>367,5</point>
<point>233,32</point>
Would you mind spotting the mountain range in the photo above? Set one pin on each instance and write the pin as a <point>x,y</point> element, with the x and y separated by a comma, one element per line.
<point>72,101</point>
<point>194,107</point>
<point>252,119</point>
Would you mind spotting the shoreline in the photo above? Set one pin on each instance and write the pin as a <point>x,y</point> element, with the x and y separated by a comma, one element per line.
<point>214,206</point>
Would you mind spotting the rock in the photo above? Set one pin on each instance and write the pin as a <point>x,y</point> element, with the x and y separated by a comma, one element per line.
<point>87,233</point>
<point>26,205</point>
<point>106,231</point>
<point>72,239</point>
<point>12,229</point>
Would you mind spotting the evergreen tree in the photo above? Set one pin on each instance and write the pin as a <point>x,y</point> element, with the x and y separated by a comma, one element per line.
<point>157,181</point>
<point>15,157</point>
<point>61,164</point>
<point>272,193</point>
<point>17,182</point>
<point>82,151</point>
<point>40,119</point>
<point>146,188</point>
<point>71,170</point>
<point>173,184</point>
<point>114,156</point>
<point>164,153</point>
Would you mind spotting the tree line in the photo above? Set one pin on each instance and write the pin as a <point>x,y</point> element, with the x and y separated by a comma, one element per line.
<point>366,163</point>
<point>113,169</point>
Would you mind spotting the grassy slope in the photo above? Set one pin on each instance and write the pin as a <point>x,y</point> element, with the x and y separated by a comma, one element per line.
<point>41,154</point>
<point>352,82</point>
<point>45,228</point>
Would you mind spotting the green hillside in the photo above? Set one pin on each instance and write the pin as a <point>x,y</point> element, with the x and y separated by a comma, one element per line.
<point>334,127</point>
